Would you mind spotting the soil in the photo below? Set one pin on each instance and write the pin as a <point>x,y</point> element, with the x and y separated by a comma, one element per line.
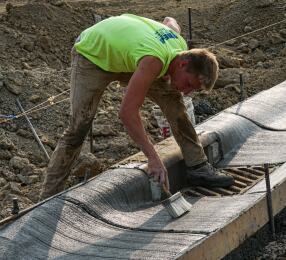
<point>36,39</point>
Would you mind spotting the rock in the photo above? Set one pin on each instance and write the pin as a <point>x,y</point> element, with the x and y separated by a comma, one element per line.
<point>23,179</point>
<point>273,51</point>
<point>231,42</point>
<point>234,87</point>
<point>12,127</point>
<point>25,65</point>
<point>48,141</point>
<point>18,163</point>
<point>248,20</point>
<point>45,43</point>
<point>35,98</point>
<point>5,155</point>
<point>247,29</point>
<point>227,76</point>
<point>259,55</point>
<point>6,187</point>
<point>34,196</point>
<point>39,158</point>
<point>84,162</point>
<point>58,3</point>
<point>28,169</point>
<point>34,179</point>
<point>253,44</point>
<point>264,3</point>
<point>15,188</point>
<point>17,90</point>
<point>25,133</point>
<point>14,82</point>
<point>259,65</point>
<point>6,143</point>
<point>3,182</point>
<point>103,130</point>
<point>28,179</point>
<point>283,33</point>
<point>227,61</point>
<point>283,52</point>
<point>204,107</point>
<point>3,195</point>
<point>145,122</point>
<point>40,172</point>
<point>101,147</point>
<point>275,38</point>
<point>9,7</point>
<point>243,48</point>
<point>28,46</point>
<point>8,175</point>
<point>1,83</point>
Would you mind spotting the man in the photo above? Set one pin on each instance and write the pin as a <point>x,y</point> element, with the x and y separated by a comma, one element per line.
<point>153,58</point>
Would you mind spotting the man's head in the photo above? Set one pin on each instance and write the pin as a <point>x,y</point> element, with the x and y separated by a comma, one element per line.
<point>194,70</point>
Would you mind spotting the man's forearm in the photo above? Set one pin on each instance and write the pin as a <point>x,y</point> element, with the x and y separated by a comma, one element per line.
<point>136,131</point>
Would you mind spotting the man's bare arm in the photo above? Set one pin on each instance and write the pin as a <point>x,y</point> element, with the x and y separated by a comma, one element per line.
<point>148,70</point>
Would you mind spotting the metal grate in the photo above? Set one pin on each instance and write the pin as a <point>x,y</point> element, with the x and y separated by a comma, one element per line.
<point>245,178</point>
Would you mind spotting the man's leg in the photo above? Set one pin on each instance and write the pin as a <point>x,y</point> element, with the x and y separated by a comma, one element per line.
<point>87,85</point>
<point>199,171</point>
<point>171,103</point>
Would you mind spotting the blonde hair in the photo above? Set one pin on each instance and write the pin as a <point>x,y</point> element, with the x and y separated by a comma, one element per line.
<point>203,63</point>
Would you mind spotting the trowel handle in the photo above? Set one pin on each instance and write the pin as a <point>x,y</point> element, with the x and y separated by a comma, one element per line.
<point>166,191</point>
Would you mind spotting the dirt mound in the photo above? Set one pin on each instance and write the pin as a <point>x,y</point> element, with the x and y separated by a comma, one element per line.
<point>36,39</point>
<point>41,34</point>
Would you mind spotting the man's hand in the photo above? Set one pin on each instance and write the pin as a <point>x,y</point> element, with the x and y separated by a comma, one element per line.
<point>158,171</point>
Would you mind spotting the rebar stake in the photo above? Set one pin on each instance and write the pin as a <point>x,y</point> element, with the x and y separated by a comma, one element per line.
<point>269,201</point>
<point>15,210</point>
<point>86,174</point>
<point>189,41</point>
<point>241,84</point>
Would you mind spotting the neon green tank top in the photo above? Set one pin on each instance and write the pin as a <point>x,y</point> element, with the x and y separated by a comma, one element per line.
<point>118,43</point>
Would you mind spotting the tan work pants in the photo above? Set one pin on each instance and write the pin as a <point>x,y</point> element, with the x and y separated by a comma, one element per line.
<point>88,83</point>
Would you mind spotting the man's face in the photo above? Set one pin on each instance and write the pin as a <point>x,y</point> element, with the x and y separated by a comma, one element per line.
<point>184,81</point>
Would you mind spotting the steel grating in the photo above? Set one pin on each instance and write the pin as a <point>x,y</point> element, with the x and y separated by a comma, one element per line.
<point>245,178</point>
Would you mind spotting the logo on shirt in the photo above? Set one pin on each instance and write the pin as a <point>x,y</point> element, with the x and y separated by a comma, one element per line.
<point>164,35</point>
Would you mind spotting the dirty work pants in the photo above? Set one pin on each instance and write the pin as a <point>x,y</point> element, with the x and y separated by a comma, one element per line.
<point>88,83</point>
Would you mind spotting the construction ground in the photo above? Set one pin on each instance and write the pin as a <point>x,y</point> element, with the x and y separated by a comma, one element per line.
<point>36,39</point>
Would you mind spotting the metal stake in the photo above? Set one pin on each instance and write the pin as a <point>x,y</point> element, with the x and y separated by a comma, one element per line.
<point>269,201</point>
<point>86,174</point>
<point>33,129</point>
<point>241,84</point>
<point>189,41</point>
<point>15,209</point>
